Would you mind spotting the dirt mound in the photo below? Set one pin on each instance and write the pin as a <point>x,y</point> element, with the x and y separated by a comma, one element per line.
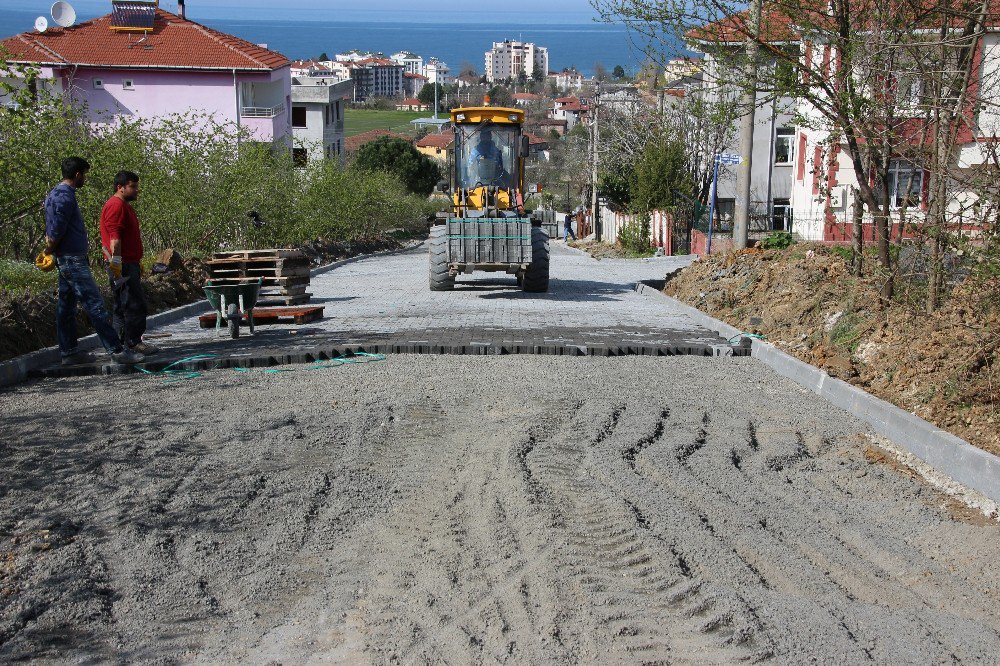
<point>942,367</point>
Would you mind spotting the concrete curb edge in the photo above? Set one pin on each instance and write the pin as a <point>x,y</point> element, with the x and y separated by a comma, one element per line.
<point>16,370</point>
<point>948,454</point>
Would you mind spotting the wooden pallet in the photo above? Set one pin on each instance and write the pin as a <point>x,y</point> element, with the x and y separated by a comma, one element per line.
<point>284,273</point>
<point>264,316</point>
<point>281,299</point>
<point>282,282</point>
<point>281,253</point>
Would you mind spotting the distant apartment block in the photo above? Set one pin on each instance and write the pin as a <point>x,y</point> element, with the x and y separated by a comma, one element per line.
<point>411,62</point>
<point>568,79</point>
<point>437,72</point>
<point>571,110</point>
<point>376,77</point>
<point>509,59</point>
<point>413,84</point>
<point>318,117</point>
<point>180,67</point>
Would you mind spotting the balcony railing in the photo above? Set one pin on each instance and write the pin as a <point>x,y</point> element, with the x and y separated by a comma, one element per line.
<point>262,111</point>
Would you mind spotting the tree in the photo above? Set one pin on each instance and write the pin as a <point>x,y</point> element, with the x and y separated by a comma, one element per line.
<point>467,69</point>
<point>426,94</point>
<point>322,57</point>
<point>618,72</point>
<point>600,72</point>
<point>538,75</point>
<point>883,82</point>
<point>500,96</point>
<point>396,156</point>
<point>660,173</point>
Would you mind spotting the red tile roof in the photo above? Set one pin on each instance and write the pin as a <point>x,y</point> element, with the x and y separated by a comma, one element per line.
<point>535,140</point>
<point>173,43</point>
<point>437,140</point>
<point>528,97</point>
<point>410,75</point>
<point>567,100</point>
<point>411,101</point>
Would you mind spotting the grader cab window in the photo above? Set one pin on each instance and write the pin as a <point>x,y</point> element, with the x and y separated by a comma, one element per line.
<point>486,156</point>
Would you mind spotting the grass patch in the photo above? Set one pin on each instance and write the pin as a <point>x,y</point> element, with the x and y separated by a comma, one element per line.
<point>357,121</point>
<point>17,276</point>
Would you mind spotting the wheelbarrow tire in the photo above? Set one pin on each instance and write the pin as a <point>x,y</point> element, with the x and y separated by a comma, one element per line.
<point>233,317</point>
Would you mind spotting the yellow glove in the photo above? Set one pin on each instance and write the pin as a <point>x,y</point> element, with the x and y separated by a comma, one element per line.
<point>115,267</point>
<point>45,262</point>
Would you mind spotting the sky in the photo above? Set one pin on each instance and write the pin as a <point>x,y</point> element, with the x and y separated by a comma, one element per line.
<point>564,11</point>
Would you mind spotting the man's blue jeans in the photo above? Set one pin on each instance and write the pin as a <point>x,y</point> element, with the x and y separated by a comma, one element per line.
<point>76,284</point>
<point>567,232</point>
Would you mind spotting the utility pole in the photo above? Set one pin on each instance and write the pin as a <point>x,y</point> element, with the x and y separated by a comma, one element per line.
<point>595,137</point>
<point>741,220</point>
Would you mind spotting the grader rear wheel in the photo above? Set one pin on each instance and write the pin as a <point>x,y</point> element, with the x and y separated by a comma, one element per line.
<point>536,278</point>
<point>440,280</point>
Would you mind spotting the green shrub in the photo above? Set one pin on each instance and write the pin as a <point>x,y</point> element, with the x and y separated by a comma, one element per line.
<point>205,185</point>
<point>634,238</point>
<point>845,253</point>
<point>777,240</point>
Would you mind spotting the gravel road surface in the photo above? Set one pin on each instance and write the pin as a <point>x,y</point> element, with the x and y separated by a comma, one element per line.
<point>462,510</point>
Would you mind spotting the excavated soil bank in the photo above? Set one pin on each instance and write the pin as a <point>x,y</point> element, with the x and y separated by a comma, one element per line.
<point>474,510</point>
<point>942,367</point>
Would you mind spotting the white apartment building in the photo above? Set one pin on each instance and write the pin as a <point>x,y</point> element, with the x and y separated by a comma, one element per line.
<point>411,62</point>
<point>437,72</point>
<point>508,59</point>
<point>318,117</point>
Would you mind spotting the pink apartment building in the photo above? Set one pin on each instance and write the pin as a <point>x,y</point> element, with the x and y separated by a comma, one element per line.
<point>173,66</point>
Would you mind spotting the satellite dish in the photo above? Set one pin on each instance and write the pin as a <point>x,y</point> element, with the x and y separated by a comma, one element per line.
<point>41,24</point>
<point>63,14</point>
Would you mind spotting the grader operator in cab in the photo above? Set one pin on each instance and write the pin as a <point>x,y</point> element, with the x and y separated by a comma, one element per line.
<point>486,228</point>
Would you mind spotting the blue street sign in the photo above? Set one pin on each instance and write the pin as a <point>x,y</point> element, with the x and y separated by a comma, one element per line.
<point>728,158</point>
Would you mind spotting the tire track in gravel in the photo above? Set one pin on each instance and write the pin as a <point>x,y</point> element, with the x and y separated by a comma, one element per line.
<point>646,608</point>
<point>467,576</point>
<point>730,489</point>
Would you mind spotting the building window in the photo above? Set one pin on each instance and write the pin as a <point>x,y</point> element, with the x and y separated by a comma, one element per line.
<point>781,215</point>
<point>98,84</point>
<point>298,116</point>
<point>128,84</point>
<point>906,183</point>
<point>783,145</point>
<point>300,156</point>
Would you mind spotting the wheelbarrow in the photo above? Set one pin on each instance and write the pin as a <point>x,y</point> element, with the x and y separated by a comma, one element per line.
<point>231,302</point>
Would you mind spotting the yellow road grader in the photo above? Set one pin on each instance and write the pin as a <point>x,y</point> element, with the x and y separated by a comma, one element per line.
<point>487,228</point>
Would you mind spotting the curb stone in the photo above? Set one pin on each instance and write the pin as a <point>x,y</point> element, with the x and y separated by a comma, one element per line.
<point>946,453</point>
<point>16,370</point>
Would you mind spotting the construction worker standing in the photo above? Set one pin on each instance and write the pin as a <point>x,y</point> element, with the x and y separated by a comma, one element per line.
<point>122,245</point>
<point>66,238</point>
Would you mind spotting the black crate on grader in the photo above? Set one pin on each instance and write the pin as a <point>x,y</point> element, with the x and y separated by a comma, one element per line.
<point>487,228</point>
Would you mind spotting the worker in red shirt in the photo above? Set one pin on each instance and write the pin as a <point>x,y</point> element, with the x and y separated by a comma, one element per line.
<point>122,244</point>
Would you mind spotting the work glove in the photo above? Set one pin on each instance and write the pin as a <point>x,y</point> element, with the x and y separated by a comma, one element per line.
<point>45,262</point>
<point>115,266</point>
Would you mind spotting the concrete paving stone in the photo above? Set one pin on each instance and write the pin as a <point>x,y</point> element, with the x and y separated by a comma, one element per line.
<point>384,303</point>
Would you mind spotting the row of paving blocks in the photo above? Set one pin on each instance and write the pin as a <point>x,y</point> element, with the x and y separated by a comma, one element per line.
<point>267,358</point>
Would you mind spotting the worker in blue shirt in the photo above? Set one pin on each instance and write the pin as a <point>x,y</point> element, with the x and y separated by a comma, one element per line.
<point>489,151</point>
<point>66,238</point>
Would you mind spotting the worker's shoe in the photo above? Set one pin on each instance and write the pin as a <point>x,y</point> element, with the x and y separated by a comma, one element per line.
<point>79,358</point>
<point>127,357</point>
<point>145,348</point>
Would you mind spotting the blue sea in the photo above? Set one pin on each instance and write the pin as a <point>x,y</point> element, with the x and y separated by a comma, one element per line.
<point>572,38</point>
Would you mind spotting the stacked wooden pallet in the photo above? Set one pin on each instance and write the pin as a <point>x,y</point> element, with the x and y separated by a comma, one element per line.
<point>284,273</point>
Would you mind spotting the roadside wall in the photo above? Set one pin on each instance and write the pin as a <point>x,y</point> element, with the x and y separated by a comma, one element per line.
<point>660,228</point>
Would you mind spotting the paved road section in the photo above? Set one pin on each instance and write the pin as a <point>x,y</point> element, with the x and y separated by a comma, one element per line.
<point>383,304</point>
<point>475,510</point>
